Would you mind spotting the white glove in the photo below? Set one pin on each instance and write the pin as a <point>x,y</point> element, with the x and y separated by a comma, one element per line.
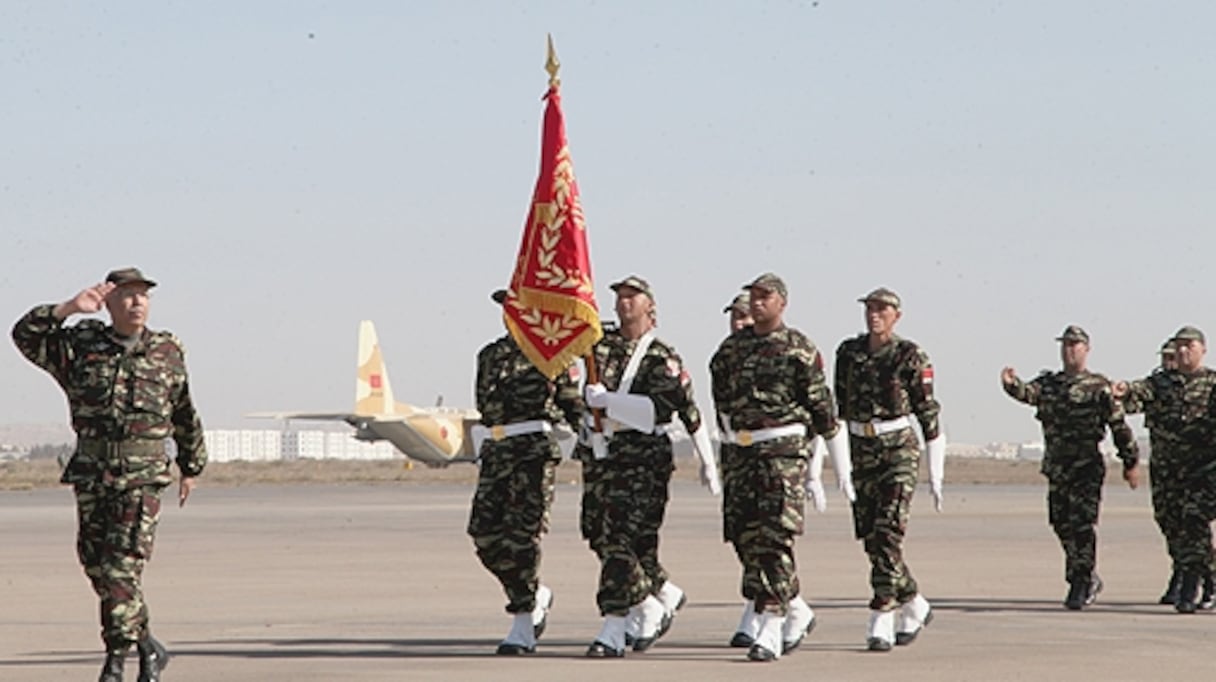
<point>814,488</point>
<point>596,396</point>
<point>814,476</point>
<point>709,465</point>
<point>842,462</point>
<point>935,450</point>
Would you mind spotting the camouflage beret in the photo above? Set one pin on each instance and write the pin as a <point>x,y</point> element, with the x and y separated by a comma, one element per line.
<point>771,282</point>
<point>633,282</point>
<point>1189,333</point>
<point>740,303</point>
<point>882,295</point>
<point>1073,333</point>
<point>123,276</point>
<point>498,296</point>
<point>1168,348</point>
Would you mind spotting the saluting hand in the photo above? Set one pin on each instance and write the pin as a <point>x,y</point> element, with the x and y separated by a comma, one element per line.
<point>89,300</point>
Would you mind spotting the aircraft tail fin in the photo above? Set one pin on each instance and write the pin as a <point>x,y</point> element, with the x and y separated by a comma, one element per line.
<point>373,394</point>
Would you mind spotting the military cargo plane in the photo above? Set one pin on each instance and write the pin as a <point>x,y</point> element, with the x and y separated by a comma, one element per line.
<point>436,436</point>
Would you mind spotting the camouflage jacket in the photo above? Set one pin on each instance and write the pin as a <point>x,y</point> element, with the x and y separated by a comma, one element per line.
<point>662,378</point>
<point>115,393</point>
<point>895,381</point>
<point>1075,411</point>
<point>1178,407</point>
<point>768,380</point>
<point>510,389</point>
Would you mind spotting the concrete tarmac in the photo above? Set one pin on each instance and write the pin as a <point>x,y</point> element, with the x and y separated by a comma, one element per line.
<point>379,582</point>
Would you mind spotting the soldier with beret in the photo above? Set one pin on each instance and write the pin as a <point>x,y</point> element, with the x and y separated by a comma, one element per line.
<point>1075,407</point>
<point>627,468</point>
<point>128,392</point>
<point>1177,411</point>
<point>772,399</point>
<point>883,383</point>
<point>523,413</point>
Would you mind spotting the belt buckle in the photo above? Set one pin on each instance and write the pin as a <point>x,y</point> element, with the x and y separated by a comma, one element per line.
<point>869,430</point>
<point>744,438</point>
<point>498,432</point>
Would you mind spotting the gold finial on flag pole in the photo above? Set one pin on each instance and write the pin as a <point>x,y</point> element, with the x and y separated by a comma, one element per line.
<point>552,65</point>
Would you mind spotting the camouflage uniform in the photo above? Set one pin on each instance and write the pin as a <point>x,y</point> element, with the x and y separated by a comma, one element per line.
<point>1178,412</point>
<point>125,402</point>
<point>1158,397</point>
<point>891,383</point>
<point>625,495</point>
<point>1075,411</point>
<point>765,381</point>
<point>516,480</point>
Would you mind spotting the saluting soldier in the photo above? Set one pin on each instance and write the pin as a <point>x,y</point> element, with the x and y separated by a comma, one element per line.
<point>523,413</point>
<point>627,468</point>
<point>1177,402</point>
<point>1076,407</point>
<point>772,398</point>
<point>128,391</point>
<point>884,383</point>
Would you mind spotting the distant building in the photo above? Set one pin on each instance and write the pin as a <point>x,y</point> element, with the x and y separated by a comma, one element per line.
<point>264,445</point>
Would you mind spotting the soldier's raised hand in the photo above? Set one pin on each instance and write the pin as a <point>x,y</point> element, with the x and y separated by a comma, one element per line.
<point>89,300</point>
<point>1009,376</point>
<point>1118,389</point>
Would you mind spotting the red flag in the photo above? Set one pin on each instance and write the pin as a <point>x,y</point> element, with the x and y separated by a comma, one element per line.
<point>550,308</point>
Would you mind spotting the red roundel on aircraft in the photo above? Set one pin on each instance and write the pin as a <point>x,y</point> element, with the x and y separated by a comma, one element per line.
<point>443,432</point>
<point>374,380</point>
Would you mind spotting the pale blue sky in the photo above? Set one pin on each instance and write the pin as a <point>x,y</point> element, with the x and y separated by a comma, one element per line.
<point>289,168</point>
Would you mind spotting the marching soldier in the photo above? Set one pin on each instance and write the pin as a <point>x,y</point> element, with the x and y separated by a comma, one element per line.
<point>522,415</point>
<point>1178,404</point>
<point>772,398</point>
<point>1076,407</point>
<point>128,391</point>
<point>627,468</point>
<point>1165,480</point>
<point>882,383</point>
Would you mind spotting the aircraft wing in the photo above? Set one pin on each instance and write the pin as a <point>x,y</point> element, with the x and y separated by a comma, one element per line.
<point>347,417</point>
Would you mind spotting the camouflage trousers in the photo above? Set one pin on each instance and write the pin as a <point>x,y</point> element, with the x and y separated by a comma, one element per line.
<point>623,506</point>
<point>1181,510</point>
<point>884,476</point>
<point>1073,497</point>
<point>510,514</point>
<point>763,511</point>
<point>116,529</point>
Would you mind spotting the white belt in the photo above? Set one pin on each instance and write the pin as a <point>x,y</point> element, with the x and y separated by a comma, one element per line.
<point>501,431</point>
<point>610,427</point>
<point>745,437</point>
<point>878,427</point>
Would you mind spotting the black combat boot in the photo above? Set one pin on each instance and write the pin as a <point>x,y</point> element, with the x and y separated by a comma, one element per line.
<point>1207,600</point>
<point>1188,593</point>
<point>1170,596</point>
<point>153,657</point>
<point>111,670</point>
<point>1078,590</point>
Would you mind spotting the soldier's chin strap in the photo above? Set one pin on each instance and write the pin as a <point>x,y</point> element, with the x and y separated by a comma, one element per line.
<point>709,464</point>
<point>935,450</point>
<point>842,462</point>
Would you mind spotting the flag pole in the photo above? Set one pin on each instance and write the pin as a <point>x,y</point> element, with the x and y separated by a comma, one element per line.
<point>552,66</point>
